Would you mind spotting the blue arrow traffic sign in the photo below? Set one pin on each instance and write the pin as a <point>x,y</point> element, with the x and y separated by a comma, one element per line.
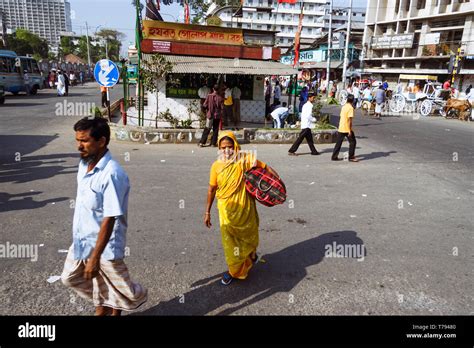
<point>106,73</point>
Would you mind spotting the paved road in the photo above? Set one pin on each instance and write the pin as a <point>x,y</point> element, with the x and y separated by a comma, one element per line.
<point>407,206</point>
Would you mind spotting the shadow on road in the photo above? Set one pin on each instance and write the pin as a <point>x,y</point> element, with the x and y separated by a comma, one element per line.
<point>10,202</point>
<point>17,167</point>
<point>374,155</point>
<point>280,273</point>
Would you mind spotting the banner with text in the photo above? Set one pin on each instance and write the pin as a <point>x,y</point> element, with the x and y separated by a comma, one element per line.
<point>166,31</point>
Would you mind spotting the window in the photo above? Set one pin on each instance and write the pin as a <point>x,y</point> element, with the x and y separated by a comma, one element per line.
<point>259,15</point>
<point>4,64</point>
<point>421,4</point>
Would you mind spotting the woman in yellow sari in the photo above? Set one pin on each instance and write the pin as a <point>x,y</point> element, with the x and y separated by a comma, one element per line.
<point>238,215</point>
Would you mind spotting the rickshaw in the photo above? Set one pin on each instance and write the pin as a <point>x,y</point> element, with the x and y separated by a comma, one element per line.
<point>411,96</point>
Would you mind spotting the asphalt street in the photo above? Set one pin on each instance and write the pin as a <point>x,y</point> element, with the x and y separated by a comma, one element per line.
<point>407,206</point>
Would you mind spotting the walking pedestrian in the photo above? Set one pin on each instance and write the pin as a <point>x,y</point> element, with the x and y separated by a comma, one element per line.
<point>379,101</point>
<point>61,84</point>
<point>345,130</point>
<point>94,266</point>
<point>307,121</point>
<point>66,83</point>
<point>238,214</point>
<point>214,105</point>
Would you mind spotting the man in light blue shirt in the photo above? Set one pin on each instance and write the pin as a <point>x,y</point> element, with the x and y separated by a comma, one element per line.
<point>94,267</point>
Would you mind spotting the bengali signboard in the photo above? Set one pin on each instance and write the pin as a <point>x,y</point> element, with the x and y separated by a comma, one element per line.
<point>430,39</point>
<point>166,31</point>
<point>161,46</point>
<point>393,41</point>
<point>305,57</point>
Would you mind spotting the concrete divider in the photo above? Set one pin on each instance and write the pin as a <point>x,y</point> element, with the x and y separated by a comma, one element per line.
<point>148,135</point>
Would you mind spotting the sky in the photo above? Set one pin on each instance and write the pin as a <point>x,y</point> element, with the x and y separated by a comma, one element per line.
<point>120,15</point>
<point>113,14</point>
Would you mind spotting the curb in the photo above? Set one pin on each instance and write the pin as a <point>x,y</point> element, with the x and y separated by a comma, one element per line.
<point>147,135</point>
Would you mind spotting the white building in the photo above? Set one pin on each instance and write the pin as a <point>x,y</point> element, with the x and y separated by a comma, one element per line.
<point>418,37</point>
<point>3,27</point>
<point>284,18</point>
<point>45,18</point>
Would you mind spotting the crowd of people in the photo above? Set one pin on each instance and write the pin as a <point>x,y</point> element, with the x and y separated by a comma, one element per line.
<point>61,80</point>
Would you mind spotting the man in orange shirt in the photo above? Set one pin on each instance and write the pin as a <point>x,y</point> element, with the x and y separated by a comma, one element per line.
<point>103,91</point>
<point>345,130</point>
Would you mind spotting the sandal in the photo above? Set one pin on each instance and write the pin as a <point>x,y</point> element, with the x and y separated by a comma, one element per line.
<point>256,259</point>
<point>226,279</point>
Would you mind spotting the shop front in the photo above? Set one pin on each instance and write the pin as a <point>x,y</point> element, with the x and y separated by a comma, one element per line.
<point>177,93</point>
<point>203,56</point>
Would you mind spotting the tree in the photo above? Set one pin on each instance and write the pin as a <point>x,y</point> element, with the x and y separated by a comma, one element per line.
<point>114,43</point>
<point>24,42</point>
<point>67,45</point>
<point>199,7</point>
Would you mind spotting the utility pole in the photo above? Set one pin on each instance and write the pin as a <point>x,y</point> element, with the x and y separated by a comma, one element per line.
<point>346,50</point>
<point>88,49</point>
<point>328,69</point>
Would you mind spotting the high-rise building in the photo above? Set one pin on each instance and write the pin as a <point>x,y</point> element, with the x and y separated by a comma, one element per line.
<point>284,18</point>
<point>3,27</point>
<point>45,18</point>
<point>419,37</point>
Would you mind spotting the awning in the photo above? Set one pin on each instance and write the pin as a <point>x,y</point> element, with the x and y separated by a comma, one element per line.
<point>322,65</point>
<point>208,65</point>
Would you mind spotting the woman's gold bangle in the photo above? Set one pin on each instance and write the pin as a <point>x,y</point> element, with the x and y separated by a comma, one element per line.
<point>207,213</point>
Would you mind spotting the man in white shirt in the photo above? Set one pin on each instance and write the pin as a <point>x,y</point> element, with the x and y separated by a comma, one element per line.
<point>307,122</point>
<point>203,92</point>
<point>367,94</point>
<point>356,93</point>
<point>279,116</point>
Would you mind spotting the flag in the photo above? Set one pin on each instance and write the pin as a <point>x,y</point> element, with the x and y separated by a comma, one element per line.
<point>138,32</point>
<point>297,39</point>
<point>186,12</point>
<point>287,1</point>
<point>152,11</point>
<point>240,11</point>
